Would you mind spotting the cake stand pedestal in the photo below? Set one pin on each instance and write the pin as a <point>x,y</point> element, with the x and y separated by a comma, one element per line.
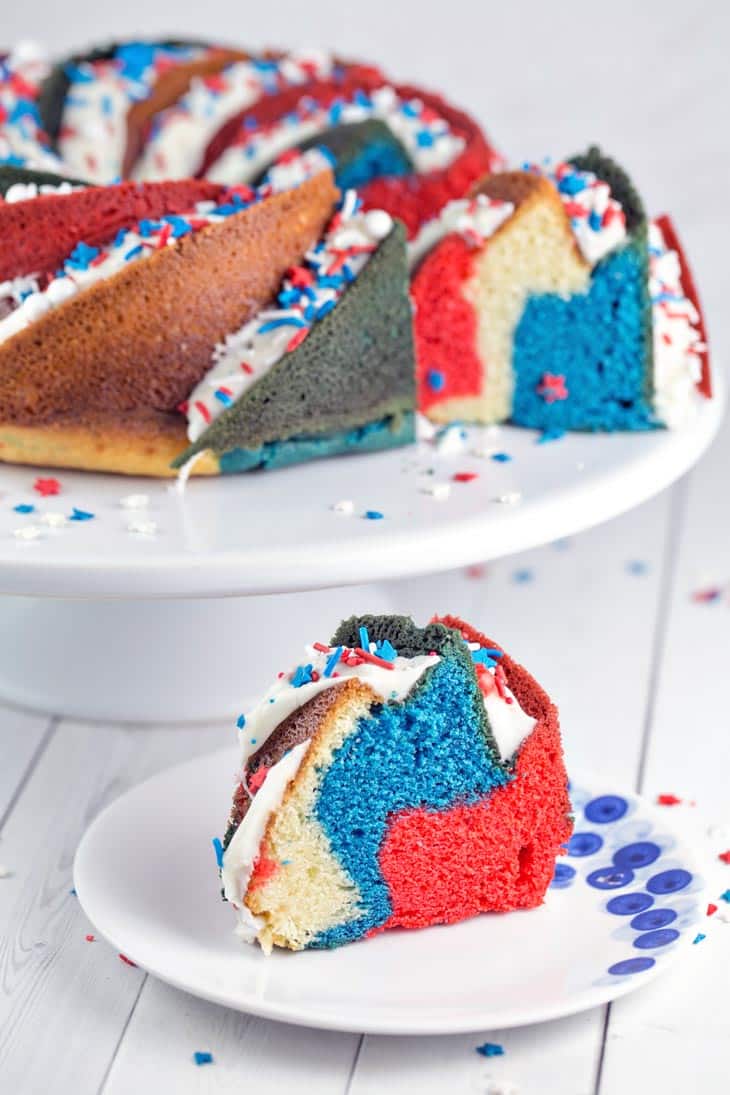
<point>176,607</point>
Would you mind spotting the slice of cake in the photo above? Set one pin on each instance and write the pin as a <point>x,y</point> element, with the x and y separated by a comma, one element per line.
<point>97,355</point>
<point>548,299</point>
<point>400,777</point>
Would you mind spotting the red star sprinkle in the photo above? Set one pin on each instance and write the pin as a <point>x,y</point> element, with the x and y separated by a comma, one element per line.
<point>725,857</point>
<point>47,487</point>
<point>668,800</point>
<point>552,387</point>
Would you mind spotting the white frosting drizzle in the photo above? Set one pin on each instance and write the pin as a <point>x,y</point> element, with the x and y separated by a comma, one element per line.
<point>23,192</point>
<point>510,726</point>
<point>181,134</point>
<point>677,340</point>
<point>476,219</point>
<point>249,353</point>
<point>427,139</point>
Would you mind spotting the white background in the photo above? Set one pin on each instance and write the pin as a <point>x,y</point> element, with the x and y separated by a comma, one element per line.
<point>638,668</point>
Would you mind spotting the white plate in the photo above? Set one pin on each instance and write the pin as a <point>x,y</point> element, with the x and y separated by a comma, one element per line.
<point>277,532</point>
<point>146,877</point>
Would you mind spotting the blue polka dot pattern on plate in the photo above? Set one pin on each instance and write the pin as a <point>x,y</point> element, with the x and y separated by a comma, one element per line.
<point>669,881</point>
<point>634,856</point>
<point>581,844</point>
<point>564,876</point>
<point>631,965</point>
<point>610,878</point>
<point>628,904</point>
<point>605,809</point>
<point>652,919</point>
<point>660,938</point>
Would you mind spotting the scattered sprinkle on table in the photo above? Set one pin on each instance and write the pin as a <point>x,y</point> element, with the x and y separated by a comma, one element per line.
<point>439,491</point>
<point>725,897</point>
<point>510,498</point>
<point>218,849</point>
<point>707,596</point>
<point>346,507</point>
<point>24,507</point>
<point>523,576</point>
<point>476,570</point>
<point>53,520</point>
<point>81,515</point>
<point>202,1057</point>
<point>501,457</point>
<point>127,961</point>
<point>550,435</point>
<point>699,937</point>
<point>47,487</point>
<point>637,567</point>
<point>465,476</point>
<point>134,501</point>
<point>29,532</point>
<point>90,938</point>
<point>490,1049</point>
<point>725,857</point>
<point>373,515</point>
<point>711,909</point>
<point>668,800</point>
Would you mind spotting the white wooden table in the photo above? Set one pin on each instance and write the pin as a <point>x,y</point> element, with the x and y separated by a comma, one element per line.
<point>607,622</point>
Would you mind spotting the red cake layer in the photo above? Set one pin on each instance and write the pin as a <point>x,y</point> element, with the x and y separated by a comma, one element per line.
<point>445,325</point>
<point>418,198</point>
<point>688,284</point>
<point>491,856</point>
<point>40,233</point>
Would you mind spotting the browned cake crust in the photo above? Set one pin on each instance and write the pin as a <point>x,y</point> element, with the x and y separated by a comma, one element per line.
<point>168,88</point>
<point>139,341</point>
<point>523,190</point>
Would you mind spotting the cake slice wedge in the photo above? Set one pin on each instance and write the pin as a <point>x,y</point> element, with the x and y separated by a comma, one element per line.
<point>399,777</point>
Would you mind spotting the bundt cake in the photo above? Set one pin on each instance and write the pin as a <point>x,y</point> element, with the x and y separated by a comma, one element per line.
<point>548,298</point>
<point>126,309</point>
<point>400,777</point>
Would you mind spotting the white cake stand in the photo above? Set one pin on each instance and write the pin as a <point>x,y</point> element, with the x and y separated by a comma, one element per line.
<point>179,623</point>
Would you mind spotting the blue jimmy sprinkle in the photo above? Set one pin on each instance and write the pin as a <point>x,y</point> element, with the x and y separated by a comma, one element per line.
<point>332,662</point>
<point>523,576</point>
<point>241,722</point>
<point>364,639</point>
<point>373,515</point>
<point>133,252</point>
<point>218,849</point>
<point>302,675</point>
<point>501,457</point>
<point>699,937</point>
<point>386,651</point>
<point>286,321</point>
<point>490,1049</point>
<point>81,515</point>
<point>24,507</point>
<point>201,1057</point>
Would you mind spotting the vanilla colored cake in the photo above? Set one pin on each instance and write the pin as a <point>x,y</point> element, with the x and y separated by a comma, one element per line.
<point>550,300</point>
<point>400,777</point>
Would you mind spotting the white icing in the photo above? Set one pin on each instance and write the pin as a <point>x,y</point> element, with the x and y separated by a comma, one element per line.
<point>677,340</point>
<point>245,160</point>
<point>597,219</point>
<point>21,138</point>
<point>16,289</point>
<point>249,353</point>
<point>23,192</point>
<point>182,133</point>
<point>476,219</point>
<point>241,853</point>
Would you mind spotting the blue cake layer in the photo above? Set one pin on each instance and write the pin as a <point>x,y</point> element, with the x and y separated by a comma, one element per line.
<point>599,341</point>
<point>378,159</point>
<point>372,437</point>
<point>428,752</point>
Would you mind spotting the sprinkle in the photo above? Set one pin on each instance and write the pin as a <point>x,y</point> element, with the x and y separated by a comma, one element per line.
<point>24,507</point>
<point>725,857</point>
<point>365,656</point>
<point>711,909</point>
<point>53,520</point>
<point>47,487</point>
<point>439,491</point>
<point>435,380</point>
<point>476,570</point>
<point>386,650</point>
<point>373,515</point>
<point>552,387</point>
<point>699,937</point>
<point>218,849</point>
<point>134,501</point>
<point>465,476</point>
<point>127,961</point>
<point>90,938</point>
<point>668,800</point>
<point>501,457</point>
<point>29,532</point>
<point>364,638</point>
<point>707,596</point>
<point>202,1057</point>
<point>332,662</point>
<point>490,1049</point>
<point>523,576</point>
<point>346,507</point>
<point>302,675</point>
<point>552,435</point>
<point>142,528</point>
<point>725,897</point>
<point>241,722</point>
<point>637,567</point>
<point>80,515</point>
<point>510,498</point>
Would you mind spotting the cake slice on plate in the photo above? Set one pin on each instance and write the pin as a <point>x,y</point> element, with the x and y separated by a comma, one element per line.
<point>550,300</point>
<point>400,777</point>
